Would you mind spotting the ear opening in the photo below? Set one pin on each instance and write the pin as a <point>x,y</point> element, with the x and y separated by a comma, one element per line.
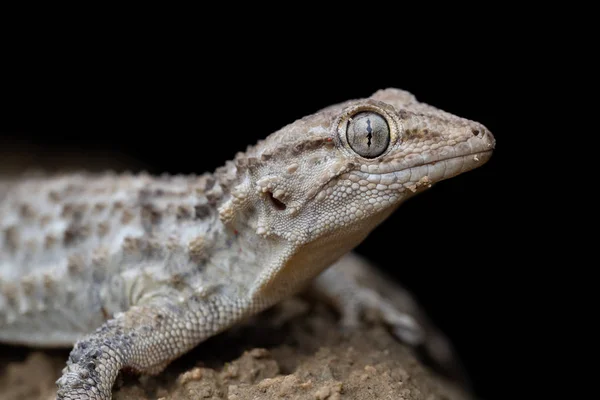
<point>278,204</point>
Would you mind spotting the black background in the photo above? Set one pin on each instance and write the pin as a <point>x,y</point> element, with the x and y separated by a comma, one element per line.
<point>182,108</point>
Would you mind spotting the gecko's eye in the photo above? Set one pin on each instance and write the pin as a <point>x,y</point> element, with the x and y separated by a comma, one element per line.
<point>368,134</point>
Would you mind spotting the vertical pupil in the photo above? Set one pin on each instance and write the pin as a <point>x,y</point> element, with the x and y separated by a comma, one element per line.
<point>370,132</point>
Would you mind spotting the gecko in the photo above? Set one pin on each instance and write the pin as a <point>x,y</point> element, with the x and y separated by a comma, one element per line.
<point>132,270</point>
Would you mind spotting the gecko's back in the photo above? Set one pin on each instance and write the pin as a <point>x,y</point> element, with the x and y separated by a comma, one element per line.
<point>73,247</point>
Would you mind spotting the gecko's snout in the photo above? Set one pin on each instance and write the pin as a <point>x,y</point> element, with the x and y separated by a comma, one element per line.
<point>482,145</point>
<point>485,136</point>
<point>489,138</point>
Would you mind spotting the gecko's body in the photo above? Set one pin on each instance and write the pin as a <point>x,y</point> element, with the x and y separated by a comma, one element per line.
<point>136,270</point>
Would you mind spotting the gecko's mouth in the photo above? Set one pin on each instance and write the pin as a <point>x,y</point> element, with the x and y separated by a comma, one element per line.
<point>435,171</point>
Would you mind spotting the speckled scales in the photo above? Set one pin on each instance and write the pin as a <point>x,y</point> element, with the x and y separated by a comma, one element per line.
<point>77,249</point>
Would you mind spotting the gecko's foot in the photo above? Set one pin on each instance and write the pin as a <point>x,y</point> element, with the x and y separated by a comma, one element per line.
<point>82,378</point>
<point>366,305</point>
<point>76,384</point>
<point>362,295</point>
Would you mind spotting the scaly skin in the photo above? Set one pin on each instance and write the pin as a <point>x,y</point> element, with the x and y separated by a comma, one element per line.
<point>137,270</point>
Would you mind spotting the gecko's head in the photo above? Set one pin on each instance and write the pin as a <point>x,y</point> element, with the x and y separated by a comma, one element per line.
<point>341,171</point>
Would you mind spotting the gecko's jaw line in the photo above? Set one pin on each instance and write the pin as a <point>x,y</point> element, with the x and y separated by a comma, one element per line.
<point>451,166</point>
<point>433,171</point>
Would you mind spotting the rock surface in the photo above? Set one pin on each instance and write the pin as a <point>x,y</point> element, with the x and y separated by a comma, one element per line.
<point>293,351</point>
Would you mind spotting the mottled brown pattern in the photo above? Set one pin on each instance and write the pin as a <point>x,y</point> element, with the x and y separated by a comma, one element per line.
<point>11,238</point>
<point>197,249</point>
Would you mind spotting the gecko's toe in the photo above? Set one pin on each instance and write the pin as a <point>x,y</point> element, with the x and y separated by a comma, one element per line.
<point>76,383</point>
<point>367,305</point>
<point>408,330</point>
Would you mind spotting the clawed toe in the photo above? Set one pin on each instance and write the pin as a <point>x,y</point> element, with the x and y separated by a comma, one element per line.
<point>368,305</point>
<point>409,332</point>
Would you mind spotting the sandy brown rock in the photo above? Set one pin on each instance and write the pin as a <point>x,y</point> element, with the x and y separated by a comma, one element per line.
<point>294,351</point>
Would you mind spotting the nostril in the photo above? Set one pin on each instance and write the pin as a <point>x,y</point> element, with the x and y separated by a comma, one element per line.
<point>276,202</point>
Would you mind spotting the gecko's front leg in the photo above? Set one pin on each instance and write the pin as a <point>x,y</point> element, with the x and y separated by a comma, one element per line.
<point>144,339</point>
<point>360,292</point>
<point>354,288</point>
